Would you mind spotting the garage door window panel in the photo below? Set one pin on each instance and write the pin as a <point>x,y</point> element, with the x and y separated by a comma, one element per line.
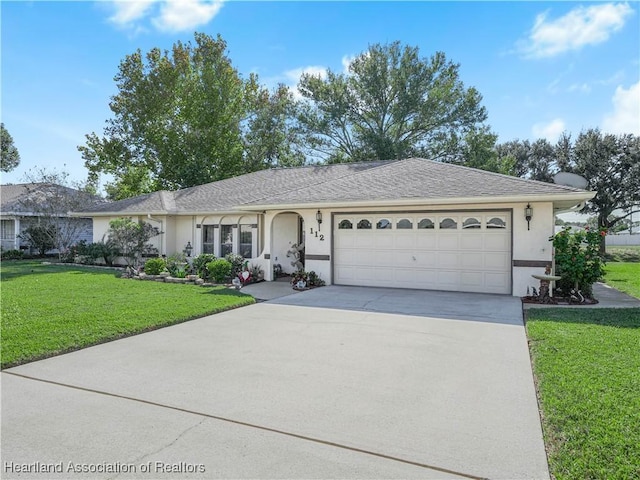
<point>471,223</point>
<point>404,224</point>
<point>345,225</point>
<point>383,224</point>
<point>448,223</point>
<point>364,224</point>
<point>497,222</point>
<point>426,224</point>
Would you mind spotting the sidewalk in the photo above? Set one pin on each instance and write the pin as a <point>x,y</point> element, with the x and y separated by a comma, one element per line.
<point>608,297</point>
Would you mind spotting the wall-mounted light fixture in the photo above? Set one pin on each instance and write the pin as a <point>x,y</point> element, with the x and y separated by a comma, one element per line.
<point>528,214</point>
<point>319,218</point>
<point>188,249</point>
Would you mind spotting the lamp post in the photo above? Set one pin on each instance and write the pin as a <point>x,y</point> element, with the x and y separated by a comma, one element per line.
<point>188,249</point>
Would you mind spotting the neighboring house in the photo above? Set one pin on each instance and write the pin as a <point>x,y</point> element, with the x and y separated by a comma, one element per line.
<point>24,204</point>
<point>410,223</point>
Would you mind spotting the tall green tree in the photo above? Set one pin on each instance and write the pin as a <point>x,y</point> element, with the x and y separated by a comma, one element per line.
<point>179,118</point>
<point>478,149</point>
<point>270,135</point>
<point>9,155</point>
<point>392,103</point>
<point>514,154</point>
<point>611,165</point>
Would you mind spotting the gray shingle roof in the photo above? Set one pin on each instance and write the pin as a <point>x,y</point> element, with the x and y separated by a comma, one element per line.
<point>15,198</point>
<point>416,178</point>
<point>228,194</point>
<point>368,181</point>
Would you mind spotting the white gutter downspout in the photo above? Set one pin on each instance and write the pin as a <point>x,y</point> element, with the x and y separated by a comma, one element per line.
<point>161,222</point>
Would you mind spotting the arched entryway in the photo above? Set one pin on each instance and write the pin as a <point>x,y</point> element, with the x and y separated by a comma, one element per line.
<point>287,235</point>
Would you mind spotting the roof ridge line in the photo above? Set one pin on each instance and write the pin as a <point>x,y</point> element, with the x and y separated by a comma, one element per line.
<point>386,162</point>
<point>504,175</point>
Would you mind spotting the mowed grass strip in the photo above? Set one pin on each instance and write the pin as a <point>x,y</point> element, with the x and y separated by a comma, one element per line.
<point>50,309</point>
<point>587,368</point>
<point>625,276</point>
<point>623,253</point>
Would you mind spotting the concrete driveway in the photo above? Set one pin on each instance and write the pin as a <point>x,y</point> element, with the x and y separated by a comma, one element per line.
<point>337,382</point>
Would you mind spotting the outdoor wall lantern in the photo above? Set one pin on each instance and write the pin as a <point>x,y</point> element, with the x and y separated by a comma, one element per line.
<point>319,218</point>
<point>528,214</point>
<point>188,249</point>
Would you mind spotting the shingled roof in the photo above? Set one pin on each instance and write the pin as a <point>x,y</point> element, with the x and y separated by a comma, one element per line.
<point>385,181</point>
<point>16,198</point>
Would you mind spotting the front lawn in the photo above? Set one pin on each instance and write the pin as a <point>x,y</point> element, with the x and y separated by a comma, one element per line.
<point>623,253</point>
<point>624,276</point>
<point>50,309</point>
<point>587,368</point>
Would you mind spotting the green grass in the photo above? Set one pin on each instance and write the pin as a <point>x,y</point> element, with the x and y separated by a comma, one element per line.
<point>624,276</point>
<point>587,368</point>
<point>623,253</point>
<point>49,309</point>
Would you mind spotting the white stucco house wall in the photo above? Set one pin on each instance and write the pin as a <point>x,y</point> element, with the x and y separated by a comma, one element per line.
<point>411,223</point>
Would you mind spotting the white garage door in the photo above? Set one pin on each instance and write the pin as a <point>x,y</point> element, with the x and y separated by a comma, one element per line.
<point>460,251</point>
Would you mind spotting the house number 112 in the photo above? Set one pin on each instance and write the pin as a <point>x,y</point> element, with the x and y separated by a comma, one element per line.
<point>316,234</point>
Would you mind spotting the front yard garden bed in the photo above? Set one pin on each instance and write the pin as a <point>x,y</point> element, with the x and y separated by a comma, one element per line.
<point>52,309</point>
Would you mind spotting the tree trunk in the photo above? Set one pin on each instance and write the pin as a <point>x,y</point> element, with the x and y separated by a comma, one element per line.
<point>603,223</point>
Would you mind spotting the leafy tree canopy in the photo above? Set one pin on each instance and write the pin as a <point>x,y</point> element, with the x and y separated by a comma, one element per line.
<point>9,156</point>
<point>611,165</point>
<point>392,103</point>
<point>180,119</point>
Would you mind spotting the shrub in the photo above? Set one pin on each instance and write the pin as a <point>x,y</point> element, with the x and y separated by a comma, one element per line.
<point>89,253</point>
<point>40,237</point>
<point>200,264</point>
<point>220,269</point>
<point>237,263</point>
<point>12,255</point>
<point>311,279</point>
<point>578,260</point>
<point>154,266</point>
<point>177,265</point>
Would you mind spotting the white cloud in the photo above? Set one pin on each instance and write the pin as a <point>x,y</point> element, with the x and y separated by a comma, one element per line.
<point>346,61</point>
<point>184,15</point>
<point>292,77</point>
<point>127,12</point>
<point>551,130</point>
<point>581,26</point>
<point>165,15</point>
<point>580,87</point>
<point>625,117</point>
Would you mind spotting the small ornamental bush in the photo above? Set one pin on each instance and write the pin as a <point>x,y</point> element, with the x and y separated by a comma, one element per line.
<point>578,260</point>
<point>12,255</point>
<point>220,270</point>
<point>200,264</point>
<point>237,263</point>
<point>177,265</point>
<point>154,266</point>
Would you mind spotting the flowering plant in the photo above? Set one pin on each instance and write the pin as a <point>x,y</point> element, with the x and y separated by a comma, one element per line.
<point>578,260</point>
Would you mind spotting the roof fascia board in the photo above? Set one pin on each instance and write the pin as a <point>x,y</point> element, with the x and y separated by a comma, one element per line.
<point>577,197</point>
<point>164,214</point>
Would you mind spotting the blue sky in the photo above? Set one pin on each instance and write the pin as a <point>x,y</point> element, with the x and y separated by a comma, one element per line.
<point>541,67</point>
